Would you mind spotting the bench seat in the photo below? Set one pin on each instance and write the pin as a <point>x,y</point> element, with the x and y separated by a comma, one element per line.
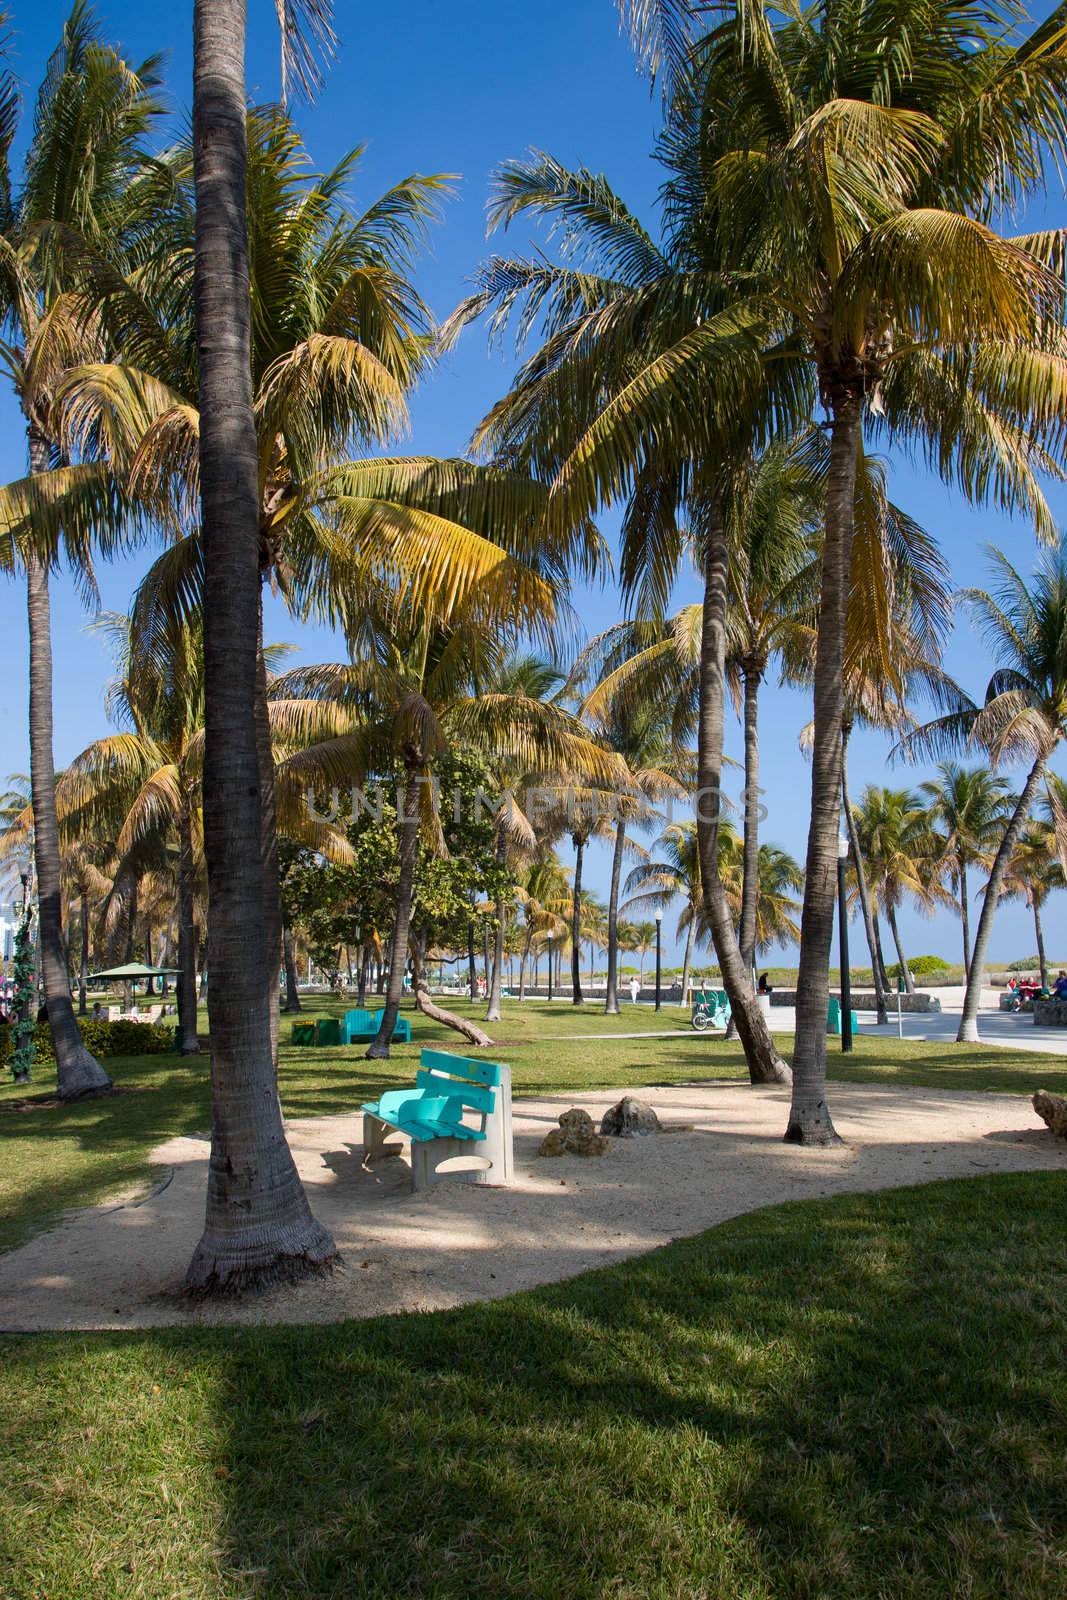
<point>433,1114</point>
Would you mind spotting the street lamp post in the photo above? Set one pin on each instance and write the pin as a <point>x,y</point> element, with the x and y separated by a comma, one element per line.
<point>659,969</point>
<point>846,976</point>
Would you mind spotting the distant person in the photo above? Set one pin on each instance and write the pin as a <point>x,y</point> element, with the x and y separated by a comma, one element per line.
<point>635,990</point>
<point>42,1012</point>
<point>98,1011</point>
<point>763,987</point>
<point>1059,988</point>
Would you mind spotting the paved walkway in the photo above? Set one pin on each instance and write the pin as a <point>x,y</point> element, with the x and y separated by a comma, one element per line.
<point>1003,1030</point>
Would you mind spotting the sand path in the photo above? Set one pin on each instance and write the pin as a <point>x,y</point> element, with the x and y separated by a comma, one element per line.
<point>121,1266</point>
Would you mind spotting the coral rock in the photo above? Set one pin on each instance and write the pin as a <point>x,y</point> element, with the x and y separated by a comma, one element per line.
<point>1052,1109</point>
<point>629,1119</point>
<point>575,1136</point>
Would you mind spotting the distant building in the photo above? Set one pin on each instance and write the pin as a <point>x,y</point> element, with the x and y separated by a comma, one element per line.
<point>10,908</point>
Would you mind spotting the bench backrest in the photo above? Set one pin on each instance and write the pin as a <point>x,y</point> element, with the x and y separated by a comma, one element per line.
<point>360,1018</point>
<point>460,1078</point>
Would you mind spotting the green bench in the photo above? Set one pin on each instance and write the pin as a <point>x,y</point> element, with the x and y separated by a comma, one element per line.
<point>436,1115</point>
<point>359,1024</point>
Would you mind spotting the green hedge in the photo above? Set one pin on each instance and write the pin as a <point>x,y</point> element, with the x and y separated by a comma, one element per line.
<point>122,1038</point>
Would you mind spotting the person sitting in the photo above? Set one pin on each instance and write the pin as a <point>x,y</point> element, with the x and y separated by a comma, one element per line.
<point>1059,988</point>
<point>98,1011</point>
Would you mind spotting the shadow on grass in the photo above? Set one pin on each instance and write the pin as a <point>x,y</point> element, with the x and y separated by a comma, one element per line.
<point>847,1399</point>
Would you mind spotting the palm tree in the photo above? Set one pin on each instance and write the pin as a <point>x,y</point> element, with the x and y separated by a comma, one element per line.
<point>971,806</point>
<point>654,884</point>
<point>644,942</point>
<point>1023,716</point>
<point>902,856</point>
<point>84,880</point>
<point>641,737</point>
<point>812,183</point>
<point>545,897</point>
<point>1032,873</point>
<point>413,694</point>
<point>92,113</point>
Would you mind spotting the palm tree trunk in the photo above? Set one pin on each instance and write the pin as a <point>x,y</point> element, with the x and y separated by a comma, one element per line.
<point>611,997</point>
<point>750,881</point>
<point>187,940</point>
<point>292,992</point>
<point>131,943</point>
<point>968,1030</point>
<point>765,1065</point>
<point>83,967</point>
<point>891,918</point>
<point>1042,964</point>
<point>576,923</point>
<point>863,888</point>
<point>492,1012</point>
<point>258,1227</point>
<point>687,962</point>
<point>78,1073</point>
<point>880,955</point>
<point>965,918</point>
<point>522,964</point>
<point>809,1115</point>
<point>407,824</point>
<point>272,882</point>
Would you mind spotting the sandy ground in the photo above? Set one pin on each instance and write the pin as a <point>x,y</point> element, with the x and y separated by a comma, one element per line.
<point>121,1266</point>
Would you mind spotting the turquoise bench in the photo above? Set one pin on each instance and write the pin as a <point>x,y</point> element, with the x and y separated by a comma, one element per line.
<point>434,1114</point>
<point>359,1024</point>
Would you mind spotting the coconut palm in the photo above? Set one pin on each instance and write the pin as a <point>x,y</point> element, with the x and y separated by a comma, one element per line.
<point>1032,873</point>
<point>641,736</point>
<point>1023,716</point>
<point>644,941</point>
<point>902,855</point>
<point>412,691</point>
<point>85,879</point>
<point>85,157</point>
<point>655,884</point>
<point>545,897</point>
<point>812,183</point>
<point>971,807</point>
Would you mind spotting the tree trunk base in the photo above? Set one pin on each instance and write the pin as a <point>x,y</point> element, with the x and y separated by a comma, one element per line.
<point>968,1033</point>
<point>81,1076</point>
<point>770,1070</point>
<point>812,1127</point>
<point>377,1051</point>
<point>224,1267</point>
<point>190,1047</point>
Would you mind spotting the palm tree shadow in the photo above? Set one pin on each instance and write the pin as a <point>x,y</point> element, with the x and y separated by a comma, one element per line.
<point>736,1404</point>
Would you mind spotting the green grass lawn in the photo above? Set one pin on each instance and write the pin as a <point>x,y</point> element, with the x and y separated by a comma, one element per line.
<point>853,1399</point>
<point>56,1157</point>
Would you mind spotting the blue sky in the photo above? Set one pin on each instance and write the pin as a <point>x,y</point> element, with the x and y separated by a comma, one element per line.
<point>458,88</point>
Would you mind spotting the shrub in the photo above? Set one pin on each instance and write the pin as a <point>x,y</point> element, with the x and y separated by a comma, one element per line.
<point>121,1038</point>
<point>921,967</point>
